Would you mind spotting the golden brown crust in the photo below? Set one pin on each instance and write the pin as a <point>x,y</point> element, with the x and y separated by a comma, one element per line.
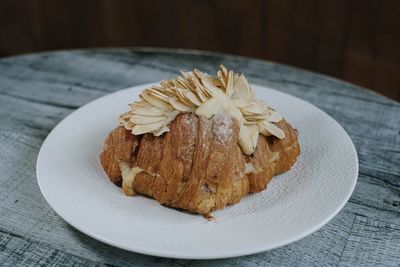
<point>263,167</point>
<point>198,165</point>
<point>286,150</point>
<point>119,146</point>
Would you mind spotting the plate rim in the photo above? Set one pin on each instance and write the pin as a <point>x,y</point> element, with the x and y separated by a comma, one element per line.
<point>199,256</point>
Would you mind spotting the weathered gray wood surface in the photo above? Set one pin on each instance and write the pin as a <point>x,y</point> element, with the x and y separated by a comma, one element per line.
<point>37,91</point>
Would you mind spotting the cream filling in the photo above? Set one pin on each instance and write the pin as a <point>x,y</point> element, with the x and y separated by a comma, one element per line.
<point>128,177</point>
<point>129,174</point>
<point>248,168</point>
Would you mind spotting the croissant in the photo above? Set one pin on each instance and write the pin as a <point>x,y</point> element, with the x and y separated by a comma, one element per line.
<point>195,162</point>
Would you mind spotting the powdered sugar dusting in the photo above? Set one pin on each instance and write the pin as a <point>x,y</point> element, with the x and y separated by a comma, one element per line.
<point>222,128</point>
<point>189,125</point>
<point>188,122</point>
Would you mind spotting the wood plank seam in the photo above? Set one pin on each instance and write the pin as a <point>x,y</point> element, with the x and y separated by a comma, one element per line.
<point>347,240</point>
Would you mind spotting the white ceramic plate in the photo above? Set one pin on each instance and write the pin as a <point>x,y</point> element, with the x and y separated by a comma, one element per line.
<point>294,205</point>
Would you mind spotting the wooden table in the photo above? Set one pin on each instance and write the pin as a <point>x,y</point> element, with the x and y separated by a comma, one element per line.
<point>37,91</point>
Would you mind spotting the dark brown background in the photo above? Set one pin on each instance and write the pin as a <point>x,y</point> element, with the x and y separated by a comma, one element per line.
<point>358,41</point>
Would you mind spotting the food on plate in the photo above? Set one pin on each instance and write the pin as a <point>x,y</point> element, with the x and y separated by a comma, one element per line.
<point>199,143</point>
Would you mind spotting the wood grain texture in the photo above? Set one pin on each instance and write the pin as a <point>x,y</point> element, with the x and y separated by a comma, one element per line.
<point>37,91</point>
<point>354,40</point>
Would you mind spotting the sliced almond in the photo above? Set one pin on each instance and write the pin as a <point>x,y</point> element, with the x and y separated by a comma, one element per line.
<point>200,88</point>
<point>177,104</point>
<point>242,102</point>
<point>245,140</point>
<point>267,128</point>
<point>256,117</point>
<point>160,94</point>
<point>217,83</point>
<point>141,104</point>
<point>229,86</point>
<point>255,108</point>
<point>139,119</point>
<point>156,100</point>
<point>247,122</point>
<point>209,108</point>
<point>241,88</point>
<point>222,79</point>
<point>181,96</point>
<point>208,83</point>
<point>125,115</point>
<point>273,116</point>
<point>146,128</point>
<point>149,111</point>
<point>181,82</point>
<point>224,72</point>
<point>167,83</point>
<point>193,98</point>
<point>129,125</point>
<point>171,116</point>
<point>253,130</point>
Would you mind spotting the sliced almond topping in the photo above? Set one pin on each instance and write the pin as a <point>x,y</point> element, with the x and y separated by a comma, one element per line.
<point>228,93</point>
<point>178,105</point>
<point>241,88</point>
<point>273,116</point>
<point>146,128</point>
<point>156,101</point>
<point>209,108</point>
<point>208,83</point>
<point>149,111</point>
<point>137,119</point>
<point>253,130</point>
<point>245,141</point>
<point>267,128</point>
<point>255,108</point>
<point>229,86</point>
<point>192,98</point>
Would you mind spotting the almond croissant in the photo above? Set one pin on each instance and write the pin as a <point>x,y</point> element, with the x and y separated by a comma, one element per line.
<point>199,143</point>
